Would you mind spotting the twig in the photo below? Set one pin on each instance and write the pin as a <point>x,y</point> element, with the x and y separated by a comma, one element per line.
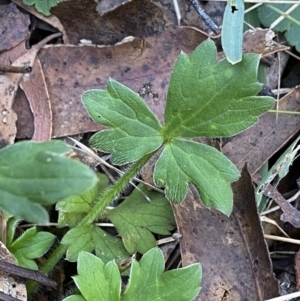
<point>14,69</point>
<point>27,274</point>
<point>205,17</point>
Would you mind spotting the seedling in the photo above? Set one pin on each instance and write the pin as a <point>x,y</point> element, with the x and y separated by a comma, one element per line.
<point>205,98</point>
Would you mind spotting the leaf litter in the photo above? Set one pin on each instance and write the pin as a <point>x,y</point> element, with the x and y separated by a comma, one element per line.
<point>140,55</point>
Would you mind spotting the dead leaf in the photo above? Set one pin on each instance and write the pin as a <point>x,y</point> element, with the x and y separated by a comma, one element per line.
<point>37,94</point>
<point>232,251</point>
<point>25,122</point>
<point>138,18</point>
<point>14,26</point>
<point>261,41</point>
<point>297,269</point>
<point>8,88</point>
<point>6,57</point>
<point>257,144</point>
<point>290,213</point>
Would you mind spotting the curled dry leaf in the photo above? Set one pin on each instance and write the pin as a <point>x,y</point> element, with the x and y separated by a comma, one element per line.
<point>37,94</point>
<point>8,88</point>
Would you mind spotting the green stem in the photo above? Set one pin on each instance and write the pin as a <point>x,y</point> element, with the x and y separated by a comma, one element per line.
<point>48,266</point>
<point>108,196</point>
<point>113,192</point>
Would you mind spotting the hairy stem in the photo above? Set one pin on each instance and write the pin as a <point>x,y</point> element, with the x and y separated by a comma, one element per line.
<point>108,196</point>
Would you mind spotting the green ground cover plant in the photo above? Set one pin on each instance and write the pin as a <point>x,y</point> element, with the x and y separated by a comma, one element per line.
<point>205,98</point>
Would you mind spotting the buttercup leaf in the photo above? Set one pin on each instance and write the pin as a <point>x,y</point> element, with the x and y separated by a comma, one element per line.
<point>180,284</point>
<point>183,161</point>
<point>212,99</point>
<point>106,279</point>
<point>92,238</point>
<point>148,281</point>
<point>136,218</point>
<point>134,129</point>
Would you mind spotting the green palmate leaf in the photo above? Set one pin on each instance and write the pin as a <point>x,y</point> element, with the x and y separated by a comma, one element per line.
<point>212,99</point>
<point>32,244</point>
<point>232,30</point>
<point>148,282</point>
<point>95,280</point>
<point>91,238</point>
<point>183,161</point>
<point>290,24</point>
<point>34,173</point>
<point>43,6</point>
<point>136,217</point>
<point>134,131</point>
<point>74,208</point>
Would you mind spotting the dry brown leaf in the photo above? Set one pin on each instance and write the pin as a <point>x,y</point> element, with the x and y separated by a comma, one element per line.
<point>25,122</point>
<point>6,57</point>
<point>37,94</point>
<point>290,213</point>
<point>232,251</point>
<point>14,26</point>
<point>138,18</point>
<point>8,88</point>
<point>256,145</point>
<point>297,269</point>
<point>261,41</point>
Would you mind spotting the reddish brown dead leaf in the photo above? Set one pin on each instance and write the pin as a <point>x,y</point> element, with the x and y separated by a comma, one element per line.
<point>69,71</point>
<point>138,18</point>
<point>37,94</point>
<point>8,88</point>
<point>256,145</point>
<point>14,26</point>
<point>232,251</point>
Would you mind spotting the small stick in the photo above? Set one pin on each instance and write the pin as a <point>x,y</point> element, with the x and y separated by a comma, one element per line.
<point>205,17</point>
<point>34,275</point>
<point>15,69</point>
